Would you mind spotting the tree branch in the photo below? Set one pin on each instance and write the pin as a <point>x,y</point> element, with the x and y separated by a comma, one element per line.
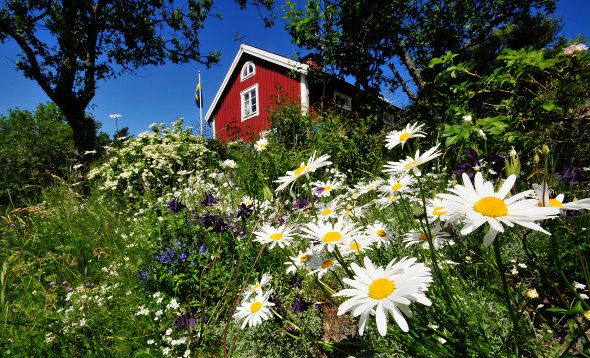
<point>404,84</point>
<point>410,65</point>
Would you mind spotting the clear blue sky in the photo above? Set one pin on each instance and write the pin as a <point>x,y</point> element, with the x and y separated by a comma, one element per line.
<point>161,94</point>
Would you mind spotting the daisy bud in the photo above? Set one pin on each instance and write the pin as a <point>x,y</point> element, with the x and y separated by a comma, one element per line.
<point>354,196</point>
<point>532,294</point>
<point>467,118</point>
<point>536,158</point>
<point>545,149</point>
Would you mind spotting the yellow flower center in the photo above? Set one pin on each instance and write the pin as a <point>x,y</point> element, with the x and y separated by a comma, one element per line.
<point>326,212</point>
<point>262,145</point>
<point>381,233</point>
<point>355,246</point>
<point>491,206</point>
<point>255,307</point>
<point>255,286</point>
<point>396,187</point>
<point>347,213</point>
<point>404,136</point>
<point>327,187</point>
<point>381,288</point>
<point>410,164</point>
<point>332,236</point>
<point>555,203</point>
<point>305,257</point>
<point>424,237</point>
<point>248,203</point>
<point>301,169</point>
<point>370,187</point>
<point>393,197</point>
<point>276,236</point>
<point>327,263</point>
<point>438,211</point>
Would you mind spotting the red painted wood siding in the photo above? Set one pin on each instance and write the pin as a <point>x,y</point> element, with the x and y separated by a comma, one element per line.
<point>269,77</point>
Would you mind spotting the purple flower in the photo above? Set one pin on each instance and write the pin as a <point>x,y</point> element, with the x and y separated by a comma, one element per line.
<point>244,212</point>
<point>299,305</point>
<point>185,320</point>
<point>209,200</point>
<point>462,168</point>
<point>295,281</point>
<point>69,288</point>
<point>64,282</point>
<point>175,205</point>
<point>202,250</point>
<point>572,175</point>
<point>301,203</point>
<point>51,283</point>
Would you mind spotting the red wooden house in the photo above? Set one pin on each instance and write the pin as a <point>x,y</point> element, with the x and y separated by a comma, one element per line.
<point>239,108</point>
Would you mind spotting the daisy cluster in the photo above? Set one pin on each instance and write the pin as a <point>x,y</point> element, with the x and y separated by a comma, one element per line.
<point>332,232</point>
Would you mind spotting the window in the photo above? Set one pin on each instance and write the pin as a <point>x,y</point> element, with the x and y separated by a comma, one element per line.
<point>343,101</point>
<point>249,102</point>
<point>388,118</point>
<point>248,70</point>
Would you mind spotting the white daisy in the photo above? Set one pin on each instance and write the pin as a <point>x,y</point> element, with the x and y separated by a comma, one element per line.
<point>328,210</point>
<point>395,185</point>
<point>325,188</point>
<point>356,245</point>
<point>228,163</point>
<point>387,200</point>
<point>404,166</point>
<point>399,137</point>
<point>303,260</point>
<point>322,264</point>
<point>261,144</point>
<point>269,234</point>
<point>380,291</point>
<point>364,188</point>
<point>304,169</point>
<point>257,286</point>
<point>557,202</point>
<point>480,204</point>
<point>418,237</point>
<point>328,235</point>
<point>437,209</point>
<point>254,311</point>
<point>379,234</point>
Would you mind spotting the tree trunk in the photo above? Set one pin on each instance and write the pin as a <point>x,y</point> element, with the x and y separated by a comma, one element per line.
<point>84,131</point>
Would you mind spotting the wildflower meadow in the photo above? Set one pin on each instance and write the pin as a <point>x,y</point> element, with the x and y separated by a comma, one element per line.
<point>466,237</point>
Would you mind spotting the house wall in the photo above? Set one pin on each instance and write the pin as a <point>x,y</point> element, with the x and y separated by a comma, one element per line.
<point>269,77</point>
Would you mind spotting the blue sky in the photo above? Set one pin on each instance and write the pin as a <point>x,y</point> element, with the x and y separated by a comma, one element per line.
<point>164,93</point>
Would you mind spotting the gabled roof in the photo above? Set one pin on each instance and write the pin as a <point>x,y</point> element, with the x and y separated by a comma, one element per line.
<point>256,52</point>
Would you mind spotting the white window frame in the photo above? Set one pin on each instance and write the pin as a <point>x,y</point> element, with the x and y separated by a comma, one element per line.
<point>388,118</point>
<point>347,98</point>
<point>246,66</point>
<point>243,100</point>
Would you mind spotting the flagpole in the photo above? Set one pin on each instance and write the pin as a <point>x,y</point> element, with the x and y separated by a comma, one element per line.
<point>201,105</point>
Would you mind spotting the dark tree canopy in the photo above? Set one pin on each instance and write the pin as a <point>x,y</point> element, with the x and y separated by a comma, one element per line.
<point>383,42</point>
<point>67,46</point>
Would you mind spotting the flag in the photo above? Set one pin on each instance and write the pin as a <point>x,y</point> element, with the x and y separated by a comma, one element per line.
<point>198,99</point>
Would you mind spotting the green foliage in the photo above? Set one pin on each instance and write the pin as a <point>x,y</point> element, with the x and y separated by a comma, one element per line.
<point>531,98</point>
<point>370,40</point>
<point>32,143</point>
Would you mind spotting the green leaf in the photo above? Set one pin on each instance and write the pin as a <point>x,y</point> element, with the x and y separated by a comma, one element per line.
<point>576,309</point>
